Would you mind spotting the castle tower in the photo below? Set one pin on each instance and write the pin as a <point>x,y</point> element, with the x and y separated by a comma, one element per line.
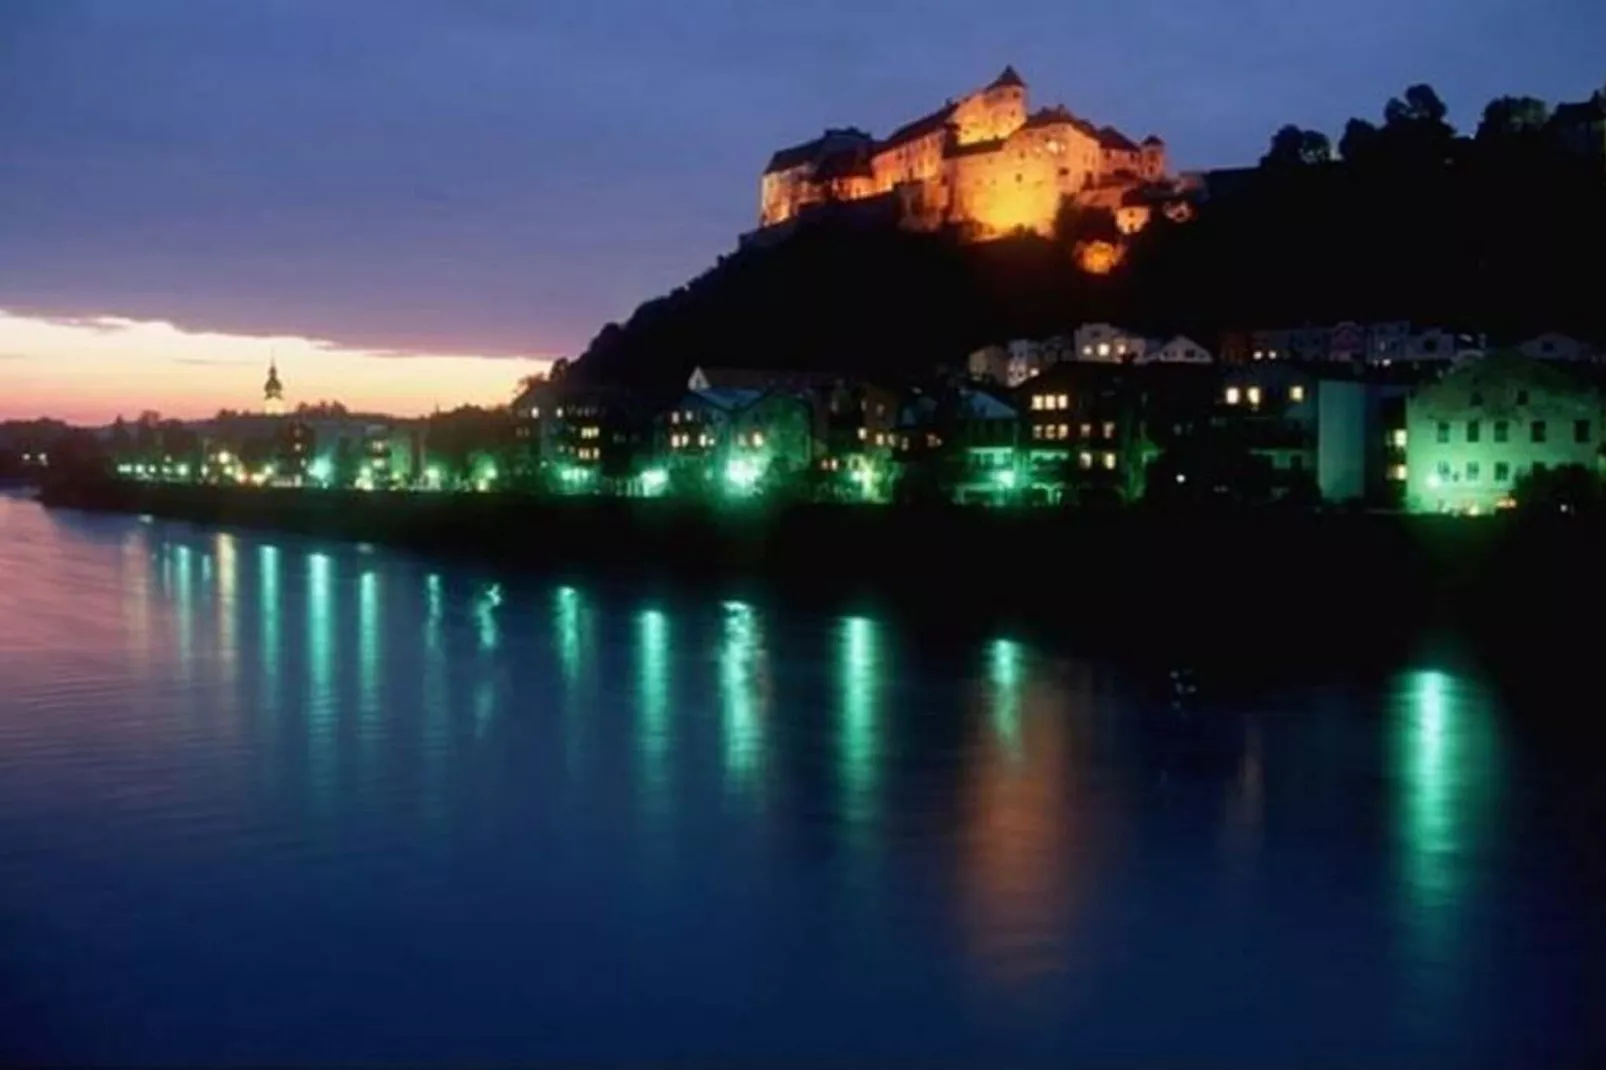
<point>993,112</point>
<point>273,391</point>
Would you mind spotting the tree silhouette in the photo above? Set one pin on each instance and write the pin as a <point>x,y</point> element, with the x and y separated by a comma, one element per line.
<point>1294,147</point>
<point>1507,117</point>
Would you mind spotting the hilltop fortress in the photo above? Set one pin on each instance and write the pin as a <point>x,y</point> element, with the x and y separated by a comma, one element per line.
<point>982,164</point>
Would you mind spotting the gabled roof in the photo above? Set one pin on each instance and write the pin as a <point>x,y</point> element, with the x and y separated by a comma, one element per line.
<point>1009,79</point>
<point>716,377</point>
<point>980,405</point>
<point>926,124</point>
<point>1057,114</point>
<point>1111,138</point>
<point>727,398</point>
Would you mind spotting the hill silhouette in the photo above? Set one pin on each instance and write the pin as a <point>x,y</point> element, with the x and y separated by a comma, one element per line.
<point>1500,233</point>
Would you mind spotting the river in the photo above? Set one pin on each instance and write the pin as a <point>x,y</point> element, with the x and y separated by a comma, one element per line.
<point>270,800</point>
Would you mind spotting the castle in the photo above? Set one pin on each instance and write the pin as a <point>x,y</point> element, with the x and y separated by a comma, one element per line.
<point>982,164</point>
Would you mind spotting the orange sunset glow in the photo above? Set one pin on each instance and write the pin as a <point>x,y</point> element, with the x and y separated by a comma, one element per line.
<point>92,369</point>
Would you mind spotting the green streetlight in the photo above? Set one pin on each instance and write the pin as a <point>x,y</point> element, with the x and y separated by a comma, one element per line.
<point>741,474</point>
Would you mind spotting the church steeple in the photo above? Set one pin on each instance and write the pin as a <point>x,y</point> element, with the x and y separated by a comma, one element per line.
<point>273,390</point>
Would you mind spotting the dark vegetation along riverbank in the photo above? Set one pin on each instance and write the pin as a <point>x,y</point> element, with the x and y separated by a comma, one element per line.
<point>1262,587</point>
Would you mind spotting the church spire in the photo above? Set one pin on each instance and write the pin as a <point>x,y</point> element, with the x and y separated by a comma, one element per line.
<point>273,390</point>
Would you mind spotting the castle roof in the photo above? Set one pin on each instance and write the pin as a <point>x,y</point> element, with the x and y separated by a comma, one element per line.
<point>926,124</point>
<point>844,164</point>
<point>1059,113</point>
<point>828,143</point>
<point>1111,138</point>
<point>1154,139</point>
<point>1009,79</point>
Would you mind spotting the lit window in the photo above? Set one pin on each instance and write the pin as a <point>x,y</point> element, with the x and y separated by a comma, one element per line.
<point>863,434</point>
<point>1397,437</point>
<point>1037,430</point>
<point>535,413</point>
<point>1109,428</point>
<point>1272,355</point>
<point>1037,401</point>
<point>1064,402</point>
<point>674,417</point>
<point>1296,393</point>
<point>1397,473</point>
<point>1104,349</point>
<point>1086,430</point>
<point>1109,461</point>
<point>1087,351</point>
<point>880,439</point>
<point>758,439</point>
<point>1232,395</point>
<point>1254,395</point>
<point>1085,460</point>
<point>1259,354</point>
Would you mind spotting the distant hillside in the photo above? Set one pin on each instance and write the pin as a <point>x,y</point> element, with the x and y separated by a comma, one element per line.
<point>1500,233</point>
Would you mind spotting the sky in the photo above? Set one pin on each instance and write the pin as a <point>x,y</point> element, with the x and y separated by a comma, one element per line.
<point>367,179</point>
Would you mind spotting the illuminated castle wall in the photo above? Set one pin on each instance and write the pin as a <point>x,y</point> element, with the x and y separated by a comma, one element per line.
<point>984,163</point>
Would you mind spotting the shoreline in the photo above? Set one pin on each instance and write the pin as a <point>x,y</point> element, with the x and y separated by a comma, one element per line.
<point>1264,587</point>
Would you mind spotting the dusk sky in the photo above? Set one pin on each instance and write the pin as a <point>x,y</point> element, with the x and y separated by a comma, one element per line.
<point>498,178</point>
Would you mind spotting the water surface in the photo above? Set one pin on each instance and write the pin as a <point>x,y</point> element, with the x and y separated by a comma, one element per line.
<point>269,800</point>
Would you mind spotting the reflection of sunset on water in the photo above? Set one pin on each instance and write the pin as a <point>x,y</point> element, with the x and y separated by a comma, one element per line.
<point>1022,848</point>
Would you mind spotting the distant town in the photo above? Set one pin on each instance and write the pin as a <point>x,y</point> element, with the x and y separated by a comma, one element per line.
<point>797,373</point>
<point>1385,416</point>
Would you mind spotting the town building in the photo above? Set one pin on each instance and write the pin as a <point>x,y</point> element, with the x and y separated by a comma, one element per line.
<point>1179,350</point>
<point>1473,434</point>
<point>585,437</point>
<point>1107,342</point>
<point>1320,431</point>
<point>985,164</point>
<point>959,445</point>
<point>1080,434</point>
<point>733,439</point>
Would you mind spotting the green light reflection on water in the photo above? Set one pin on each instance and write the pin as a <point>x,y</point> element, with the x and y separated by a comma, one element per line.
<point>268,607</point>
<point>184,605</point>
<point>490,638</point>
<point>859,731</point>
<point>436,714</point>
<point>568,611</point>
<point>1447,772</point>
<point>568,626</point>
<point>1004,674</point>
<point>653,686</point>
<point>320,673</point>
<point>368,641</point>
<point>741,692</point>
